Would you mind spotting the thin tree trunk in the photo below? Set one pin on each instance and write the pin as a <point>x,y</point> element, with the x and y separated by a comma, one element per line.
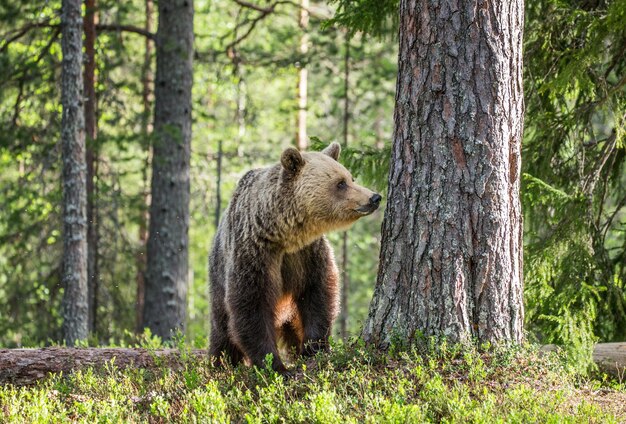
<point>378,130</point>
<point>451,256</point>
<point>302,141</point>
<point>345,280</point>
<point>218,183</point>
<point>240,106</point>
<point>168,240</point>
<point>345,276</point>
<point>146,130</point>
<point>74,276</point>
<point>91,130</point>
<point>240,113</point>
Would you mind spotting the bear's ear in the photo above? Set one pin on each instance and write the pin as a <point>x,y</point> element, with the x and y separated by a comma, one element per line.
<point>292,160</point>
<point>333,150</point>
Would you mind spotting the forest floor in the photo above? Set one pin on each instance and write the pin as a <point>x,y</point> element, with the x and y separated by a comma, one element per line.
<point>427,384</point>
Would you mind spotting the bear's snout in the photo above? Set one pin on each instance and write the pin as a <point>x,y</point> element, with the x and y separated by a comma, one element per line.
<point>375,199</point>
<point>371,206</point>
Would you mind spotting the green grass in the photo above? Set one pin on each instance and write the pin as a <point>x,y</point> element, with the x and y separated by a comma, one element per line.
<point>427,384</point>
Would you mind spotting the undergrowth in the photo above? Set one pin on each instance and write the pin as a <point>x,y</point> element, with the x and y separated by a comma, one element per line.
<point>426,383</point>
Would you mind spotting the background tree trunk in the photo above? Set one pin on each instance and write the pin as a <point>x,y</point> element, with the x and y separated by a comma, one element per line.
<point>218,183</point>
<point>302,141</point>
<point>240,112</point>
<point>74,274</point>
<point>345,276</point>
<point>451,257</point>
<point>168,241</point>
<point>147,82</point>
<point>91,130</point>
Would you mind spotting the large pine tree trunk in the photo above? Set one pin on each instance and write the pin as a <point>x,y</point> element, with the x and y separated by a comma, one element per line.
<point>74,276</point>
<point>451,257</point>
<point>166,275</point>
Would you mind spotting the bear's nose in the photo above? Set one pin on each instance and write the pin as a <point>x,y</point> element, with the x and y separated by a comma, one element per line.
<point>375,199</point>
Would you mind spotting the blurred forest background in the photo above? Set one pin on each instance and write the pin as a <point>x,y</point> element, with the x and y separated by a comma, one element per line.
<point>248,106</point>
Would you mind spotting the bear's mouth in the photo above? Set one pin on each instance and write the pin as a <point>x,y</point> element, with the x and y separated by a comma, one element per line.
<point>367,209</point>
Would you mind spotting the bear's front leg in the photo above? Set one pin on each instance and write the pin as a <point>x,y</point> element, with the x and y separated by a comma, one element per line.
<point>316,320</point>
<point>251,299</point>
<point>319,302</point>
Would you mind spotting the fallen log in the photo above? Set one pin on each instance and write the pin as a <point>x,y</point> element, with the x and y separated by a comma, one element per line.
<point>27,366</point>
<point>611,358</point>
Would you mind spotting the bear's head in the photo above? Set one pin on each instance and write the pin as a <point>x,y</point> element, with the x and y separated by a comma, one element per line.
<point>324,191</point>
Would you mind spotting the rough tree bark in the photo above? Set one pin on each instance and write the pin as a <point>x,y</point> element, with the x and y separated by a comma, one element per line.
<point>91,129</point>
<point>166,274</point>
<point>147,81</point>
<point>74,262</point>
<point>451,256</point>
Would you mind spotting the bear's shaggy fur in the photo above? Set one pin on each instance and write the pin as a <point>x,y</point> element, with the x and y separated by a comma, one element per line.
<point>273,273</point>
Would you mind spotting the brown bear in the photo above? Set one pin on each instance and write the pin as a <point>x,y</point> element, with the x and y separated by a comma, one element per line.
<point>273,273</point>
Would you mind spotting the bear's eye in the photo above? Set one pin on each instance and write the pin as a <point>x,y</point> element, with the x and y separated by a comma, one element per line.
<point>342,185</point>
